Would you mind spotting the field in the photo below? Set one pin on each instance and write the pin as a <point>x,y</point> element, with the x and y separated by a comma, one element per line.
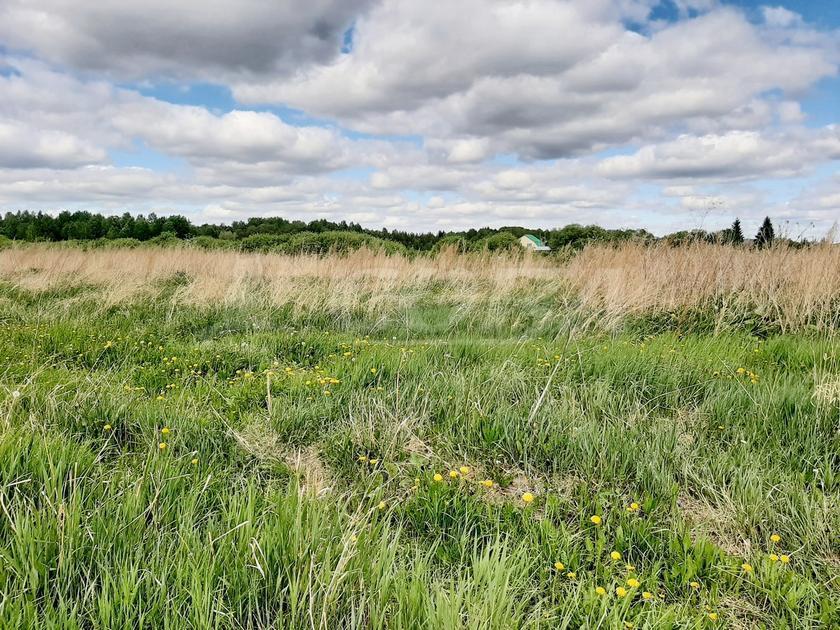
<point>633,437</point>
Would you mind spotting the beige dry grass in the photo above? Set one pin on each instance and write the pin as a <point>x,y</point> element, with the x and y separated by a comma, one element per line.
<point>792,288</point>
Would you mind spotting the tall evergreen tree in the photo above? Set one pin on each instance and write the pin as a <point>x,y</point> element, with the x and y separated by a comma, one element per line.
<point>737,236</point>
<point>765,235</point>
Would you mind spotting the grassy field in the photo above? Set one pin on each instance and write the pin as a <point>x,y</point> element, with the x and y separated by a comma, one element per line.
<point>631,438</point>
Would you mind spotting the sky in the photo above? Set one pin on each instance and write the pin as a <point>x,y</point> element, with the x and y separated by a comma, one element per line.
<point>426,114</point>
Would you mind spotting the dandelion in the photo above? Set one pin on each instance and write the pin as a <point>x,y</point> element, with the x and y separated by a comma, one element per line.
<point>784,559</point>
<point>634,507</point>
<point>381,506</point>
<point>747,567</point>
<point>438,477</point>
<point>487,483</point>
<point>165,431</point>
<point>373,370</point>
<point>362,458</point>
<point>621,591</point>
<point>571,575</point>
<point>159,398</point>
<point>775,538</point>
<point>373,462</point>
<point>559,566</point>
<point>615,555</point>
<point>596,520</point>
<point>633,583</point>
<point>194,461</point>
<point>713,616</point>
<point>630,568</point>
<point>695,585</point>
<point>453,474</point>
<point>647,595</point>
<point>162,446</point>
<point>773,557</point>
<point>107,427</point>
<point>601,591</point>
<point>464,470</point>
<point>527,497</point>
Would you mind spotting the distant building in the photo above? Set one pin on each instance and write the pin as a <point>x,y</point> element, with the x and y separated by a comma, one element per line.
<point>529,241</point>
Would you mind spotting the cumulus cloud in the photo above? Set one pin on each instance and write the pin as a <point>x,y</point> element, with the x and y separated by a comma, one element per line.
<point>185,38</point>
<point>24,147</point>
<point>554,79</point>
<point>733,155</point>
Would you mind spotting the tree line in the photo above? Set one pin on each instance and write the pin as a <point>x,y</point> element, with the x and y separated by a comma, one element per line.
<point>276,233</point>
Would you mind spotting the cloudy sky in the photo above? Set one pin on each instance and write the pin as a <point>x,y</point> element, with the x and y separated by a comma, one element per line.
<point>426,114</point>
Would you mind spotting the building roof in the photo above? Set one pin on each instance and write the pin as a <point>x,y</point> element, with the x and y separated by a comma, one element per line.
<point>529,240</point>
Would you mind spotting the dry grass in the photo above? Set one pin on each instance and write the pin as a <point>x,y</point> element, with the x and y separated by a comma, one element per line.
<point>790,288</point>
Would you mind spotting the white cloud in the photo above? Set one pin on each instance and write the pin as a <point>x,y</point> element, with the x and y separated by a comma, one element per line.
<point>421,68</point>
<point>733,155</point>
<point>184,38</point>
<point>24,147</point>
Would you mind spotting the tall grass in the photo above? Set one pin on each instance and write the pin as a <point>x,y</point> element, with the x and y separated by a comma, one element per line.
<point>698,285</point>
<point>219,440</point>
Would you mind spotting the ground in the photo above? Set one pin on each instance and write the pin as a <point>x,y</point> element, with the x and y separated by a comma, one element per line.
<point>243,463</point>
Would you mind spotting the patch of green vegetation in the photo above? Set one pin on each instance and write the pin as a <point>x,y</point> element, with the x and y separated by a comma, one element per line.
<point>166,465</point>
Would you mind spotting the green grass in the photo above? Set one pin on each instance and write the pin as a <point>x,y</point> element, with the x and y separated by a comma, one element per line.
<point>259,513</point>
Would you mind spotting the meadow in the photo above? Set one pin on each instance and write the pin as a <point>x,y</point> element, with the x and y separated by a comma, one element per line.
<point>632,437</point>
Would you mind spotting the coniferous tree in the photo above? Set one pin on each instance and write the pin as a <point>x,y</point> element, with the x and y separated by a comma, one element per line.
<point>737,236</point>
<point>765,235</point>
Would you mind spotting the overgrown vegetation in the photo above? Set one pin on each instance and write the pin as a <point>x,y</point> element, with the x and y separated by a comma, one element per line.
<point>226,440</point>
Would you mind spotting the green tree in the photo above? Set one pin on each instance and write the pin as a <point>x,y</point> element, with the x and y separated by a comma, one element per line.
<point>765,235</point>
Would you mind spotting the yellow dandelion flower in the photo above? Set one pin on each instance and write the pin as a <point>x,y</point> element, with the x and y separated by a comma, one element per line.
<point>615,555</point>
<point>633,583</point>
<point>784,559</point>
<point>747,567</point>
<point>373,462</point>
<point>165,431</point>
<point>773,557</point>
<point>647,595</point>
<point>453,474</point>
<point>162,446</point>
<point>363,458</point>
<point>373,370</point>
<point>634,507</point>
<point>571,575</point>
<point>527,497</point>
<point>194,461</point>
<point>559,566</point>
<point>438,477</point>
<point>464,470</point>
<point>695,585</point>
<point>595,519</point>
<point>713,616</point>
<point>381,506</point>
<point>600,590</point>
<point>621,591</point>
<point>107,427</point>
<point>775,538</point>
<point>487,483</point>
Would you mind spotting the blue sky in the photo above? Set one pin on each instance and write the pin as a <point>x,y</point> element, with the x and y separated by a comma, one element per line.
<point>426,115</point>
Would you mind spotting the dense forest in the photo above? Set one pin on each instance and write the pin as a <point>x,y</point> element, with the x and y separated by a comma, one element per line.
<point>278,234</point>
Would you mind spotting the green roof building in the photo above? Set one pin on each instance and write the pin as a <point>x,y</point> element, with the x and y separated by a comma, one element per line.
<point>529,241</point>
